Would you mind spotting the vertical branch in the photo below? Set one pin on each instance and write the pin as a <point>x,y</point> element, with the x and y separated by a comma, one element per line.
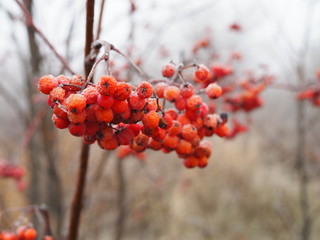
<point>120,225</point>
<point>76,206</point>
<point>302,165</point>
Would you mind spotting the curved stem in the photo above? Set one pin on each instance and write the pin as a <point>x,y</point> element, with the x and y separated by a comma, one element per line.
<point>76,206</point>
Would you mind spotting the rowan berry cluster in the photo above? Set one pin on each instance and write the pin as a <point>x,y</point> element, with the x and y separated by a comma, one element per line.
<point>115,113</point>
<point>312,94</point>
<point>249,98</point>
<point>21,233</point>
<point>11,170</point>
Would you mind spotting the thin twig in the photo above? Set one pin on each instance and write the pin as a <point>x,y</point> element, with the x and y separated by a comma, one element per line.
<point>76,206</point>
<point>100,20</point>
<point>29,22</point>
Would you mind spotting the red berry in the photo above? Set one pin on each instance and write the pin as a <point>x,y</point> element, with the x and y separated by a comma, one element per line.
<point>125,136</point>
<point>201,74</point>
<point>123,91</point>
<point>91,94</point>
<point>151,120</point>
<point>136,102</point>
<point>186,90</point>
<point>213,91</point>
<point>78,82</point>
<point>77,130</point>
<point>120,106</point>
<point>105,101</point>
<point>168,70</point>
<point>171,93</point>
<point>104,115</point>
<point>75,103</point>
<point>194,102</point>
<point>47,83</point>
<point>59,122</point>
<point>30,234</point>
<point>189,132</point>
<point>109,144</point>
<point>57,94</point>
<point>107,85</point>
<point>144,90</point>
<point>77,118</point>
<point>159,89</point>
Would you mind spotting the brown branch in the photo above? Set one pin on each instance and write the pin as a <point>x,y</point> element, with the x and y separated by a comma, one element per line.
<point>29,22</point>
<point>120,224</point>
<point>100,20</point>
<point>76,206</point>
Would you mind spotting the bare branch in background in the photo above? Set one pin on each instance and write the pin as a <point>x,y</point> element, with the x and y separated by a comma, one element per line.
<point>29,22</point>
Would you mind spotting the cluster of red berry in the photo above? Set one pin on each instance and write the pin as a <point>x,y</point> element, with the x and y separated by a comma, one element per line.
<point>21,233</point>
<point>115,113</point>
<point>249,98</point>
<point>11,170</point>
<point>311,94</point>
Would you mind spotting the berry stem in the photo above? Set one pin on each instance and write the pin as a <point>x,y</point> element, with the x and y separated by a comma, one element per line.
<point>76,206</point>
<point>29,22</point>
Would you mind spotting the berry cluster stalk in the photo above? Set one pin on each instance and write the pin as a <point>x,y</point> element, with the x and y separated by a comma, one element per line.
<point>76,206</point>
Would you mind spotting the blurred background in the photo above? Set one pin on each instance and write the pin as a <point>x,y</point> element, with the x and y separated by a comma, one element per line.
<point>262,184</point>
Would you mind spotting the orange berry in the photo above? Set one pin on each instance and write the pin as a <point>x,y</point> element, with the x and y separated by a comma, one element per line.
<point>159,89</point>
<point>30,234</point>
<point>57,94</point>
<point>77,130</point>
<point>47,83</point>
<point>180,103</point>
<point>105,101</point>
<point>168,70</point>
<point>78,81</point>
<point>171,93</point>
<point>201,74</point>
<point>141,140</point>
<point>154,145</point>
<point>136,102</point>
<point>152,104</point>
<point>184,147</point>
<point>191,162</point>
<point>109,144</point>
<point>166,121</point>
<point>173,113</point>
<point>158,135</point>
<point>59,122</point>
<point>144,90</point>
<point>175,129</point>
<point>91,94</point>
<point>104,115</point>
<point>186,90</point>
<point>107,85</point>
<point>123,91</point>
<point>77,118</point>
<point>60,112</point>
<point>203,150</point>
<point>120,106</point>
<point>194,102</point>
<point>189,132</point>
<point>170,142</point>
<point>151,120</point>
<point>222,130</point>
<point>105,133</point>
<point>183,119</point>
<point>211,121</point>
<point>213,91</point>
<point>203,162</point>
<point>75,103</point>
